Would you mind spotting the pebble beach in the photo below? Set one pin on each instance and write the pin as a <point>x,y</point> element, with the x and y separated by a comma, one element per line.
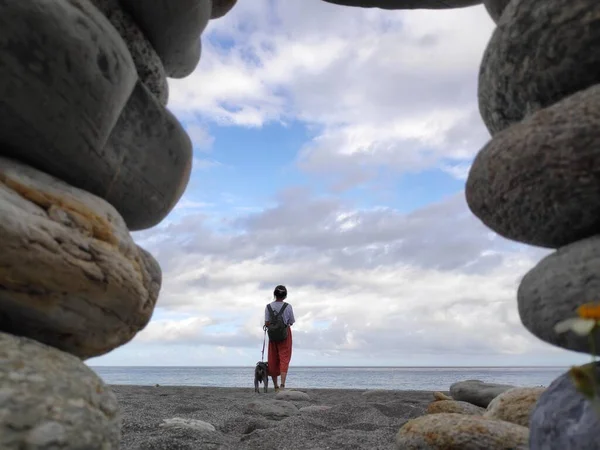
<point>185,418</point>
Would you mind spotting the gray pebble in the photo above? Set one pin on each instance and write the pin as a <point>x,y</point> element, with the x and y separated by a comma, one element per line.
<point>76,280</point>
<point>407,4</point>
<point>539,53</point>
<point>149,66</point>
<point>64,79</point>
<point>174,29</point>
<point>477,392</point>
<point>554,289</point>
<point>70,408</point>
<point>538,182</point>
<point>564,419</point>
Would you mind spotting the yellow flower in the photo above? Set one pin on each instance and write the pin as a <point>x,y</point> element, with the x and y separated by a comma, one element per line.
<point>588,317</point>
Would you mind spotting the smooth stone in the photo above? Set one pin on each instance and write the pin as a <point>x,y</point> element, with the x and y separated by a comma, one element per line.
<point>554,289</point>
<point>191,424</point>
<point>460,432</point>
<point>495,8</point>
<point>71,275</point>
<point>272,409</point>
<point>477,392</point>
<point>150,162</point>
<point>564,419</point>
<point>64,78</point>
<point>174,28</point>
<point>314,408</point>
<point>538,54</point>
<point>142,170</point>
<point>221,7</point>
<point>407,4</point>
<point>538,182</point>
<point>514,405</point>
<point>292,396</point>
<point>50,400</point>
<point>376,392</point>
<point>454,406</point>
<point>149,66</point>
<point>441,396</point>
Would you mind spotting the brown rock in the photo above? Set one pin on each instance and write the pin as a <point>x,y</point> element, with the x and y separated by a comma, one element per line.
<point>70,274</point>
<point>441,396</point>
<point>407,4</point>
<point>460,432</point>
<point>453,406</point>
<point>514,405</point>
<point>538,182</point>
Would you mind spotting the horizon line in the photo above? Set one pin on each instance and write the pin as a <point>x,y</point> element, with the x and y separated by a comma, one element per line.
<point>343,367</point>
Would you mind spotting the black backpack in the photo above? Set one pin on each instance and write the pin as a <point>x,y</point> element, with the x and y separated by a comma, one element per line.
<point>277,329</point>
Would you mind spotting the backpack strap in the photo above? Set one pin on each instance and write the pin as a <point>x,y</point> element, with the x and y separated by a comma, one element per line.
<point>283,308</point>
<point>272,313</point>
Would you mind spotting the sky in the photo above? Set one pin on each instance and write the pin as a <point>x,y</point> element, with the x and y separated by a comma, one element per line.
<point>331,149</point>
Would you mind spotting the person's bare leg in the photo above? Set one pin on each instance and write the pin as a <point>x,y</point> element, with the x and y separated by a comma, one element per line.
<point>275,385</point>
<point>283,377</point>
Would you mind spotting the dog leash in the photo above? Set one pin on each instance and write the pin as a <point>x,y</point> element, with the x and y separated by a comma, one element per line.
<point>262,358</point>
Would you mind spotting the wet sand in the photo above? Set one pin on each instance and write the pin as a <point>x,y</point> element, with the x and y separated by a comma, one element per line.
<point>243,419</point>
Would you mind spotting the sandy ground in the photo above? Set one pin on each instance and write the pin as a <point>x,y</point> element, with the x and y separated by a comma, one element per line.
<point>246,420</point>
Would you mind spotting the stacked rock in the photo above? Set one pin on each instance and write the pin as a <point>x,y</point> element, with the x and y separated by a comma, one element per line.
<point>537,181</point>
<point>88,153</point>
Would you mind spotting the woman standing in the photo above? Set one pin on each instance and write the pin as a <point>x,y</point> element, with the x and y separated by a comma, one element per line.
<point>279,317</point>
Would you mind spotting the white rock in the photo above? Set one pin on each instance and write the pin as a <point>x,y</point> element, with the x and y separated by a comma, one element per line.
<point>292,396</point>
<point>192,424</point>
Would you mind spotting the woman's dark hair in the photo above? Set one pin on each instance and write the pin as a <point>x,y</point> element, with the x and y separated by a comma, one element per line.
<point>280,292</point>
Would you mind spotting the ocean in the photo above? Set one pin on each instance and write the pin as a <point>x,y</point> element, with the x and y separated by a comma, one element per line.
<point>398,378</point>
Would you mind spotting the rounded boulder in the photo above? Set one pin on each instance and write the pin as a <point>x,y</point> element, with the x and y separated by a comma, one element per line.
<point>50,399</point>
<point>540,53</point>
<point>515,405</point>
<point>553,290</point>
<point>538,182</point>
<point>71,275</point>
<point>460,432</point>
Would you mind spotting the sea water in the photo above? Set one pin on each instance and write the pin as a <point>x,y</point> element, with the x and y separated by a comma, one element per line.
<point>398,378</point>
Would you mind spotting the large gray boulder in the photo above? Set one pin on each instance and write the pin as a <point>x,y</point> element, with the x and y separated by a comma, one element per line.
<point>538,181</point>
<point>51,400</point>
<point>553,290</point>
<point>541,52</point>
<point>564,419</point>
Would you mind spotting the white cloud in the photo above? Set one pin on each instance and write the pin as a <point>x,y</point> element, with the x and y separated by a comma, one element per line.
<point>380,88</point>
<point>373,282</point>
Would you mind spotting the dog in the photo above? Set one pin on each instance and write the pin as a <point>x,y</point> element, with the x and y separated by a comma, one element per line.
<point>261,375</point>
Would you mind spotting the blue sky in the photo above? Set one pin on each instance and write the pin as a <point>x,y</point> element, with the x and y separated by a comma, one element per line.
<point>331,147</point>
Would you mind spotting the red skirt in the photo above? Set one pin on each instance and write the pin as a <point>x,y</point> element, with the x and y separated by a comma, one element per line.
<point>280,354</point>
